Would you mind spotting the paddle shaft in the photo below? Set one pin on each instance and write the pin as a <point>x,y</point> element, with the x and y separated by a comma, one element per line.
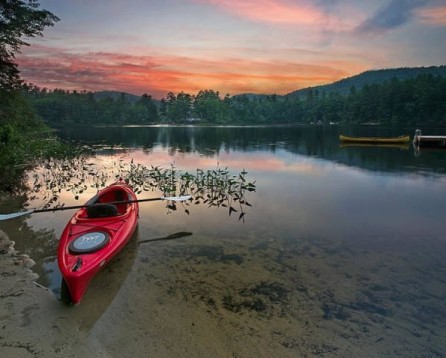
<point>111,202</point>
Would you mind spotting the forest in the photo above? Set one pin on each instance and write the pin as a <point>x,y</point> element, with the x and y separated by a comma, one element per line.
<point>419,100</point>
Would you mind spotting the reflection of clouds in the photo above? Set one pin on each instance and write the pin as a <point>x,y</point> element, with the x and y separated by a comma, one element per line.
<point>294,194</point>
<point>348,204</point>
<point>251,161</point>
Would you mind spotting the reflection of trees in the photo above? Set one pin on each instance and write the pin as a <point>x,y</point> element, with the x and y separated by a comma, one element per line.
<point>34,243</point>
<point>315,141</point>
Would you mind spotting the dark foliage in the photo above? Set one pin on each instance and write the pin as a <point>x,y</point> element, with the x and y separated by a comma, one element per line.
<point>18,19</point>
<point>418,100</point>
<point>20,130</point>
<point>59,107</point>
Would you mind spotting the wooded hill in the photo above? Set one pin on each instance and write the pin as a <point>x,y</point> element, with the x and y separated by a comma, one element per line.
<point>371,77</point>
<point>115,95</point>
<point>395,96</point>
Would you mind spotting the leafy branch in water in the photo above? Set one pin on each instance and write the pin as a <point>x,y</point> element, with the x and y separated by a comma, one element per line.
<point>215,187</point>
<point>219,188</point>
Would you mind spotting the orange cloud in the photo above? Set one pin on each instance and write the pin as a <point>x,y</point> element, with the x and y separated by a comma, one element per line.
<point>159,74</point>
<point>433,16</point>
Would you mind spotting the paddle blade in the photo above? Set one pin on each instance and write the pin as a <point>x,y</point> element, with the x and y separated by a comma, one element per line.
<point>177,198</point>
<point>14,215</point>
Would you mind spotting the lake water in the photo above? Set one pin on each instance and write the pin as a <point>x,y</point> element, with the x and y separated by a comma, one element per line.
<point>341,252</point>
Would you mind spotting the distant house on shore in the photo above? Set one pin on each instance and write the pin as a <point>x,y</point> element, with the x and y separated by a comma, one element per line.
<point>192,119</point>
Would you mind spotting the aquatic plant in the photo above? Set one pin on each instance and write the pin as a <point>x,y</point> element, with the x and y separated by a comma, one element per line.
<point>213,187</point>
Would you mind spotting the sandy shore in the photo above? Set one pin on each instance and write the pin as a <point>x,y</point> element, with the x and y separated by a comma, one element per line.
<point>20,299</point>
<point>190,299</point>
<point>30,315</point>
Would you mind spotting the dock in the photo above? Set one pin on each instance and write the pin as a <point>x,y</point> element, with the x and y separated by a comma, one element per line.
<point>429,141</point>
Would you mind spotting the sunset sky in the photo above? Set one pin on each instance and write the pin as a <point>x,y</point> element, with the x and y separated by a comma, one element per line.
<point>232,46</point>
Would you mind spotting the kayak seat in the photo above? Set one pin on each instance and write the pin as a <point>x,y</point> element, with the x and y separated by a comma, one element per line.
<point>101,210</point>
<point>121,195</point>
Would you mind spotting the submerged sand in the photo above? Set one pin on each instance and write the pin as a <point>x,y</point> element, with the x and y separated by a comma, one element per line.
<point>191,298</point>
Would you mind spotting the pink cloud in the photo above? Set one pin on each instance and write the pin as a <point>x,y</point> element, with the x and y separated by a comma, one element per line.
<point>285,12</point>
<point>159,74</point>
<point>433,16</point>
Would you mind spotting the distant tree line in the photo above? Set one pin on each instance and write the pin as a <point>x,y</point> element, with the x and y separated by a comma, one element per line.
<point>420,100</point>
<point>59,107</point>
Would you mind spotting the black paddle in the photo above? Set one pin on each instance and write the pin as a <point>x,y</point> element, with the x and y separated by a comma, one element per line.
<point>22,213</point>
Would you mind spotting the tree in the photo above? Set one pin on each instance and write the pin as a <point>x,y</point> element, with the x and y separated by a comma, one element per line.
<point>146,109</point>
<point>178,107</point>
<point>18,18</point>
<point>208,106</point>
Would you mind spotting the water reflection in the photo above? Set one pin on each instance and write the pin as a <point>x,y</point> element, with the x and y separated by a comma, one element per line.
<point>313,141</point>
<point>37,243</point>
<point>368,145</point>
<point>101,292</point>
<point>105,286</point>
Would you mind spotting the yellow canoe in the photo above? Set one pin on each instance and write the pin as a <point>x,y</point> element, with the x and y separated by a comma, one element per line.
<point>383,140</point>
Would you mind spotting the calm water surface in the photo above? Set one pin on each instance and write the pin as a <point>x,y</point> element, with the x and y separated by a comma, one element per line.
<point>347,242</point>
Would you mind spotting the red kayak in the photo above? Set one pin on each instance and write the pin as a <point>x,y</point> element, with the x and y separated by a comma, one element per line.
<point>94,235</point>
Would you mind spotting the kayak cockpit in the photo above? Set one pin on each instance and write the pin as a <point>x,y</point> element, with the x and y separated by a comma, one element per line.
<point>110,204</point>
